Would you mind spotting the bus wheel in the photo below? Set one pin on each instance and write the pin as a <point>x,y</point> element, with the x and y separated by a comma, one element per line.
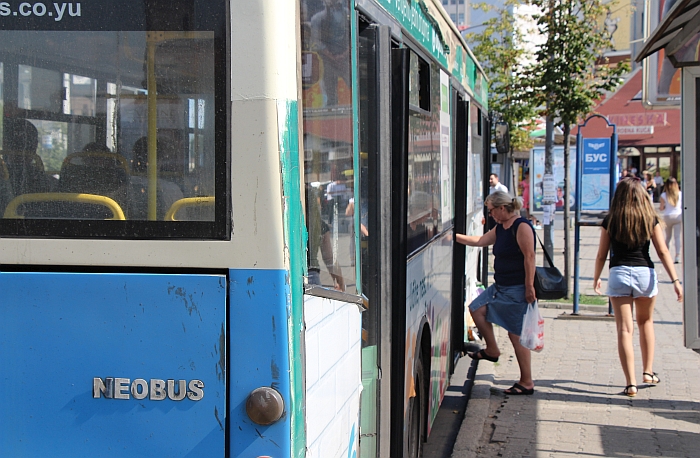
<point>416,415</point>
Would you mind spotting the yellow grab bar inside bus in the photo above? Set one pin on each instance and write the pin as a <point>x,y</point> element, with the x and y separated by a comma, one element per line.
<point>113,206</point>
<point>187,202</point>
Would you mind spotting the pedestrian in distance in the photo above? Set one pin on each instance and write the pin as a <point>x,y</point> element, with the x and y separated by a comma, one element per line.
<point>505,302</point>
<point>629,229</point>
<point>670,204</point>
<point>495,185</point>
<point>659,181</point>
<point>525,211</point>
<point>650,185</point>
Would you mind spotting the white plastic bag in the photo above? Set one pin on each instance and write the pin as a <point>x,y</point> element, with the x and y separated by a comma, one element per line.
<point>532,334</point>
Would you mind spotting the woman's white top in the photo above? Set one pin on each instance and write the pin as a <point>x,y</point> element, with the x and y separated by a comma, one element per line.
<point>670,210</point>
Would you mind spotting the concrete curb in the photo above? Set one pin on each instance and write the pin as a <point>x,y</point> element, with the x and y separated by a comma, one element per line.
<point>568,306</point>
<point>477,412</point>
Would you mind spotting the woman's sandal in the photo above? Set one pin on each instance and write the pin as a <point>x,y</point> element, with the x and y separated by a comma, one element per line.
<point>481,354</point>
<point>519,390</point>
<point>630,390</point>
<point>651,379</point>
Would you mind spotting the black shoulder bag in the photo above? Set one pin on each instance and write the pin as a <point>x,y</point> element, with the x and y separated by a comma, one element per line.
<point>549,282</point>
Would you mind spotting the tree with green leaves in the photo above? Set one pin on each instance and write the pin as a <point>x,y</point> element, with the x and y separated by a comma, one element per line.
<point>501,49</point>
<point>571,75</point>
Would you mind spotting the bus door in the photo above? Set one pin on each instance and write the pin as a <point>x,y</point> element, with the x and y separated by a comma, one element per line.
<point>383,111</point>
<point>375,226</point>
<point>460,153</point>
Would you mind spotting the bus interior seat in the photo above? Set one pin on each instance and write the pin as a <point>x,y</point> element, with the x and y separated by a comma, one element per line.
<point>99,173</point>
<point>26,173</point>
<point>191,209</point>
<point>61,205</point>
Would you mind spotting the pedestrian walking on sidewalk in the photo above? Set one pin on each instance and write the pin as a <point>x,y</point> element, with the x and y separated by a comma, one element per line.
<point>505,302</point>
<point>630,228</point>
<point>670,204</point>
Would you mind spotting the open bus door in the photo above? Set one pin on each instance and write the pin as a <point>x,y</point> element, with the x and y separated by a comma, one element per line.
<point>460,159</point>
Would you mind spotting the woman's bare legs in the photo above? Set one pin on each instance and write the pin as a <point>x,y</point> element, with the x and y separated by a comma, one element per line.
<point>625,331</point>
<point>486,330</point>
<point>645,323</point>
<point>523,356</point>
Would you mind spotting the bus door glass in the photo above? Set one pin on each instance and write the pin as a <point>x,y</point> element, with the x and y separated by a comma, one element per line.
<point>424,210</point>
<point>328,143</point>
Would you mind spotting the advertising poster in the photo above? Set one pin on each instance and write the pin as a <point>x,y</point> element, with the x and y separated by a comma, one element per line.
<point>595,179</point>
<point>537,176</point>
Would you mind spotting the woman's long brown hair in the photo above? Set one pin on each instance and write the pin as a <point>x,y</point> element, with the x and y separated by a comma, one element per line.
<point>632,215</point>
<point>671,190</point>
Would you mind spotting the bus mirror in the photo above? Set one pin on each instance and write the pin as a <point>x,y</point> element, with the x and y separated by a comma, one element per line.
<point>502,137</point>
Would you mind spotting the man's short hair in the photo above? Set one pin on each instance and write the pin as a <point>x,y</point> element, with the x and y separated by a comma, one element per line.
<point>494,175</point>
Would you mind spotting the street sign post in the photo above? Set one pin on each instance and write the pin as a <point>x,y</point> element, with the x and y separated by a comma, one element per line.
<point>596,164</point>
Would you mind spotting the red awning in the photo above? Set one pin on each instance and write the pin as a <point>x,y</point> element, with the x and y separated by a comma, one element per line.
<point>636,125</point>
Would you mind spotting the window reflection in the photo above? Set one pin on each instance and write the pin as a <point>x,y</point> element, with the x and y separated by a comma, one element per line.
<point>424,161</point>
<point>328,143</point>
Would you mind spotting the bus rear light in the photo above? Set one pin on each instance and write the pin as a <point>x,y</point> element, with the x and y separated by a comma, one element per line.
<point>264,405</point>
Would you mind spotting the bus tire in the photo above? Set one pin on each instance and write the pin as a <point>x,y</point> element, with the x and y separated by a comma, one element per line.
<point>417,413</point>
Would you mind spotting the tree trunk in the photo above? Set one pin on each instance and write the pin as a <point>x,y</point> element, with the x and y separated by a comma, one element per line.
<point>549,170</point>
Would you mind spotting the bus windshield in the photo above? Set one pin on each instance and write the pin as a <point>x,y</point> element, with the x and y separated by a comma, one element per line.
<point>110,133</point>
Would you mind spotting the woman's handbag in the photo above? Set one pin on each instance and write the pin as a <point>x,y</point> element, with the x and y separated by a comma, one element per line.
<point>532,333</point>
<point>549,282</point>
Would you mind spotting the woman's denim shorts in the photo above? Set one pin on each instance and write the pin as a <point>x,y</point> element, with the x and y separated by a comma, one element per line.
<point>506,306</point>
<point>627,281</point>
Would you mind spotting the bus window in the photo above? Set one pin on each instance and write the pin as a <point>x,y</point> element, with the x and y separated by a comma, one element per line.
<point>424,186</point>
<point>130,115</point>
<point>328,144</point>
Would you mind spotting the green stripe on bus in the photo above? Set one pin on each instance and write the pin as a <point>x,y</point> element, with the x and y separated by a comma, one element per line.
<point>295,235</point>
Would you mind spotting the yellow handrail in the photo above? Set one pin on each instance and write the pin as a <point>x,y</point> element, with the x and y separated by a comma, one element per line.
<point>187,202</point>
<point>113,206</point>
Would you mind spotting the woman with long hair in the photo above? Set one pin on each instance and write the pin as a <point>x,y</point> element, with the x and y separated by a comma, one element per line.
<point>505,302</point>
<point>629,229</point>
<point>670,204</point>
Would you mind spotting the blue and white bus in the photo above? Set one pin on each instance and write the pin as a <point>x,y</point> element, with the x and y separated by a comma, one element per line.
<point>226,226</point>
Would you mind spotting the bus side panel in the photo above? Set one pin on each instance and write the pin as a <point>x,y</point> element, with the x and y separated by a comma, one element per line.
<point>428,291</point>
<point>61,332</point>
<point>260,357</point>
<point>333,378</point>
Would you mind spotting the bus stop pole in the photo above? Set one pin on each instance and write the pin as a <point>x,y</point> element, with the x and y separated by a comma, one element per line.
<point>613,183</point>
<point>577,226</point>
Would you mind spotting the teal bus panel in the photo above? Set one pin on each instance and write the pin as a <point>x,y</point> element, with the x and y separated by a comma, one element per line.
<point>112,365</point>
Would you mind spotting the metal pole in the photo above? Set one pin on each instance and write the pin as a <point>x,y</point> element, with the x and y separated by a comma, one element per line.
<point>577,226</point>
<point>613,182</point>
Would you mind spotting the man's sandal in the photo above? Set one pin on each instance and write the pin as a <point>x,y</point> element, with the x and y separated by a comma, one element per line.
<point>630,390</point>
<point>481,354</point>
<point>652,378</point>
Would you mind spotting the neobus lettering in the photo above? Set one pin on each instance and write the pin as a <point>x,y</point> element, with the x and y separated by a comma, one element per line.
<point>156,390</point>
<point>39,9</point>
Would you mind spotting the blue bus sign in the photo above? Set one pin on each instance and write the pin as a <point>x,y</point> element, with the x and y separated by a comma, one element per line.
<point>595,180</point>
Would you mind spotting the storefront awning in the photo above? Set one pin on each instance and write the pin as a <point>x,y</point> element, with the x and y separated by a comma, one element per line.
<point>676,30</point>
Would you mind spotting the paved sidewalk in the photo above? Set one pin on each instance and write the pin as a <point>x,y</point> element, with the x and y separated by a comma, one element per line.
<point>578,408</point>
